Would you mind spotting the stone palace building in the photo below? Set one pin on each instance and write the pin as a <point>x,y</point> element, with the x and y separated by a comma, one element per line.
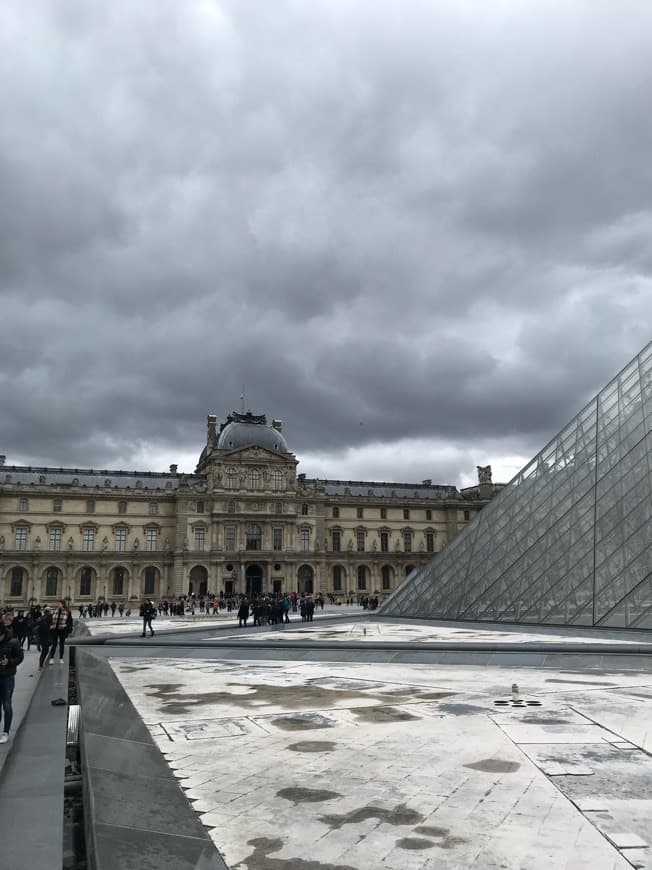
<point>244,522</point>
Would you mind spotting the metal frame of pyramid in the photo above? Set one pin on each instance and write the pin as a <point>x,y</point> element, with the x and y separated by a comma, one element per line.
<point>569,540</point>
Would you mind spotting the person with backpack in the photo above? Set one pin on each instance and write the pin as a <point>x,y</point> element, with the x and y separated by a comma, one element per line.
<point>147,613</point>
<point>11,655</point>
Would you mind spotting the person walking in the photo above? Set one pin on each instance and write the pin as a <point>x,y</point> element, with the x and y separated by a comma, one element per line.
<point>147,613</point>
<point>60,628</point>
<point>243,613</point>
<point>43,636</point>
<point>11,655</point>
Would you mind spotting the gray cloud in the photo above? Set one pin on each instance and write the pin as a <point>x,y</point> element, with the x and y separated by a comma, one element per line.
<point>424,225</point>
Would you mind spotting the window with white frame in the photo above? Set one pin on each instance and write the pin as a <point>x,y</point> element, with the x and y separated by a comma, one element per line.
<point>254,537</point>
<point>305,539</point>
<point>54,539</point>
<point>278,480</point>
<point>277,538</point>
<point>229,537</point>
<point>359,537</point>
<point>231,478</point>
<point>407,540</point>
<point>384,542</point>
<point>151,539</point>
<point>57,505</point>
<point>200,537</point>
<point>253,478</point>
<point>336,538</point>
<point>153,508</point>
<point>88,540</point>
<point>120,539</point>
<point>21,537</point>
<point>23,504</point>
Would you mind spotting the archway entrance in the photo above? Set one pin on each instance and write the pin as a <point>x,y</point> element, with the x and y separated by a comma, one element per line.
<point>198,582</point>
<point>305,580</point>
<point>253,581</point>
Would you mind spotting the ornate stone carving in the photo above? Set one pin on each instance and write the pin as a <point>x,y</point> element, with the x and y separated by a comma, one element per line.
<point>484,473</point>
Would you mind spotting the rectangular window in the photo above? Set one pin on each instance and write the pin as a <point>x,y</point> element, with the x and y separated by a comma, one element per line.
<point>430,542</point>
<point>305,540</point>
<point>122,507</point>
<point>467,516</point>
<point>55,539</point>
<point>57,504</point>
<point>359,513</point>
<point>200,538</point>
<point>277,539</point>
<point>85,581</point>
<point>153,508</point>
<point>90,506</point>
<point>120,540</point>
<point>304,510</point>
<point>151,539</point>
<point>406,514</point>
<point>200,507</point>
<point>229,538</point>
<point>16,588</point>
<point>278,507</point>
<point>337,541</point>
<point>88,540</point>
<point>360,536</point>
<point>336,513</point>
<point>51,582</point>
<point>23,504</point>
<point>407,541</point>
<point>21,538</point>
<point>428,514</point>
<point>383,513</point>
<point>384,542</point>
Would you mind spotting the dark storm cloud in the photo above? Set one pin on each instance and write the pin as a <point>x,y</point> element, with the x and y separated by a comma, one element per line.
<point>418,234</point>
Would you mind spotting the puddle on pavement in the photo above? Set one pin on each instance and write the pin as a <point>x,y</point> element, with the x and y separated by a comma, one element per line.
<point>307,795</point>
<point>312,746</point>
<point>264,847</point>
<point>460,709</point>
<point>414,843</point>
<point>383,714</point>
<point>400,815</point>
<point>431,831</point>
<point>302,722</point>
<point>494,765</point>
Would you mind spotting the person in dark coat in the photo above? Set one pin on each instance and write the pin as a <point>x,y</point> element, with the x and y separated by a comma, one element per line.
<point>147,613</point>
<point>243,613</point>
<point>60,628</point>
<point>11,655</point>
<point>43,636</point>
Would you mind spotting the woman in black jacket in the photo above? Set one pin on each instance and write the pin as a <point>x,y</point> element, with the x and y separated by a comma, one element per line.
<point>60,628</point>
<point>44,636</point>
<point>11,655</point>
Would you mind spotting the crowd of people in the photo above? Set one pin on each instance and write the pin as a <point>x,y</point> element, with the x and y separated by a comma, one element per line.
<point>46,628</point>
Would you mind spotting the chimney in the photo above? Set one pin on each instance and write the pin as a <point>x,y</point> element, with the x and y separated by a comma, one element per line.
<point>278,425</point>
<point>173,469</point>
<point>2,459</point>
<point>211,426</point>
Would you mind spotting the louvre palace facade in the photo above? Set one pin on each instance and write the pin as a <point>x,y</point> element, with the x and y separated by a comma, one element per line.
<point>243,523</point>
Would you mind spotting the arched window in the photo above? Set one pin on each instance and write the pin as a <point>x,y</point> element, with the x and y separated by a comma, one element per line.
<point>278,480</point>
<point>17,577</point>
<point>231,478</point>
<point>254,537</point>
<point>362,577</point>
<point>51,582</point>
<point>119,575</point>
<point>253,478</point>
<point>337,578</point>
<point>85,581</point>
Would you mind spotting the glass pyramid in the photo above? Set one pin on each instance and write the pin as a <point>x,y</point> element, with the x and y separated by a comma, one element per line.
<point>569,540</point>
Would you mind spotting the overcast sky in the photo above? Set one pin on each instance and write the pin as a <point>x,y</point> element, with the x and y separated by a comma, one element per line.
<point>419,233</point>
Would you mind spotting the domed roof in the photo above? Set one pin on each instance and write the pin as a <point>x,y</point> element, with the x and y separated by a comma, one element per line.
<point>246,430</point>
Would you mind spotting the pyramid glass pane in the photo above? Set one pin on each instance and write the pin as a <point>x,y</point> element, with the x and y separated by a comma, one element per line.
<point>569,540</point>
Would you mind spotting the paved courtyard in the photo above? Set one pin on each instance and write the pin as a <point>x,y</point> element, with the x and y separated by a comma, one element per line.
<point>354,765</point>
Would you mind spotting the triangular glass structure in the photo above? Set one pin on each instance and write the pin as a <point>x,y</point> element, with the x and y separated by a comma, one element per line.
<point>569,540</point>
